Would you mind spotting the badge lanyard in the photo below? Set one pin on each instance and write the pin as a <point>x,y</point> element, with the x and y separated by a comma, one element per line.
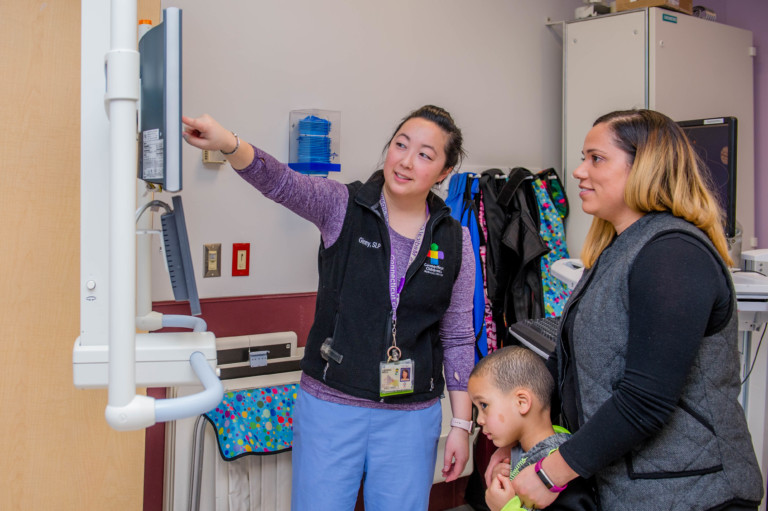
<point>396,374</point>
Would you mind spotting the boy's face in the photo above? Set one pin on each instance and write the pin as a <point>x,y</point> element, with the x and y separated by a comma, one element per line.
<point>497,412</point>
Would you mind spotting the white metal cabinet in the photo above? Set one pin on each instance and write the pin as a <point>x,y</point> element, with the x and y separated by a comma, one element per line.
<point>685,67</point>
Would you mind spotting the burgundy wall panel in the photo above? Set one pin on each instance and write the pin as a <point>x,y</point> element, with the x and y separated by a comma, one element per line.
<point>242,315</point>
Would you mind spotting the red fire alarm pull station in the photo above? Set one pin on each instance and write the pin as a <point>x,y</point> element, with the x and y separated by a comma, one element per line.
<point>241,259</point>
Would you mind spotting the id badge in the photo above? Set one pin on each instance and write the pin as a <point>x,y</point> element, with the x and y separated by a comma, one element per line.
<point>396,377</point>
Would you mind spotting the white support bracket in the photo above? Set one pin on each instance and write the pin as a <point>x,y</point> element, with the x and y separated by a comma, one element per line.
<point>108,352</point>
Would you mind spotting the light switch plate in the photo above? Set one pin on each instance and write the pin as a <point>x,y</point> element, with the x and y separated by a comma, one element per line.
<point>212,260</point>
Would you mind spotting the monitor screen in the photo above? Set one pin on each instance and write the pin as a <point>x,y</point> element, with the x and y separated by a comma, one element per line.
<point>179,257</point>
<point>160,111</point>
<point>714,140</point>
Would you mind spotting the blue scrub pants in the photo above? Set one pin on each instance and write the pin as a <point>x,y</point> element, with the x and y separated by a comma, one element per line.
<point>335,446</point>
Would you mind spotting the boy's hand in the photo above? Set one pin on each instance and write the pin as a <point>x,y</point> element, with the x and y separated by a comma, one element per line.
<point>503,468</point>
<point>500,455</point>
<point>499,493</point>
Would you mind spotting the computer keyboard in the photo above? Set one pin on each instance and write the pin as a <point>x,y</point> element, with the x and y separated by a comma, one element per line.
<point>537,334</point>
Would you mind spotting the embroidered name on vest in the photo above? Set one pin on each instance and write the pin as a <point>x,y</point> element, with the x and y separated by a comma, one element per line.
<point>369,244</point>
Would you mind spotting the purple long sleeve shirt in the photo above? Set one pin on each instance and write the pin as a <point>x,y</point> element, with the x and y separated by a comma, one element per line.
<point>324,203</point>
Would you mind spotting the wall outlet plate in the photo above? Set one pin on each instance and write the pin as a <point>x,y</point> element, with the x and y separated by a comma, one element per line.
<point>241,259</point>
<point>213,157</point>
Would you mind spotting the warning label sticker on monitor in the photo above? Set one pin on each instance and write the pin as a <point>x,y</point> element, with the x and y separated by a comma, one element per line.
<point>152,155</point>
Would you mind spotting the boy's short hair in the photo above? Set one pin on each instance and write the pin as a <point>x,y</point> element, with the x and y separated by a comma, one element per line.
<point>512,367</point>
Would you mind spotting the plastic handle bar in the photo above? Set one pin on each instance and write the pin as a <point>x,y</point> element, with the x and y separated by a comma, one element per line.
<point>196,404</point>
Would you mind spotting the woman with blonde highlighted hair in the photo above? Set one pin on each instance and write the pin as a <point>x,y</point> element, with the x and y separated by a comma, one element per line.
<point>647,362</point>
<point>665,176</point>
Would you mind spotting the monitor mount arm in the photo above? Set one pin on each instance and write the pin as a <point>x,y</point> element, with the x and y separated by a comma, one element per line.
<point>116,282</point>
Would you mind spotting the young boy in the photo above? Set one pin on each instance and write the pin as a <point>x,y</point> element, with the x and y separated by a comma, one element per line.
<point>512,389</point>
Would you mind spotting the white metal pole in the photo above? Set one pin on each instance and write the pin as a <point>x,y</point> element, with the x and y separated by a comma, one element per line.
<point>123,95</point>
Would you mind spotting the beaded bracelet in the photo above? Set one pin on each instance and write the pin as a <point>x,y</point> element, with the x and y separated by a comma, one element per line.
<point>237,146</point>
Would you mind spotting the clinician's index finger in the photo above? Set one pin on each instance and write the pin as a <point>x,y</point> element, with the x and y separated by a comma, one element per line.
<point>192,122</point>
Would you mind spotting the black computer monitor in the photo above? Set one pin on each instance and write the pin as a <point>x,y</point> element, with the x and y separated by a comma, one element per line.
<point>714,140</point>
<point>160,144</point>
<point>179,257</point>
<point>160,108</point>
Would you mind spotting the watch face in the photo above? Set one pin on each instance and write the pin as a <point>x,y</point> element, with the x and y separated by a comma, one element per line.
<point>544,478</point>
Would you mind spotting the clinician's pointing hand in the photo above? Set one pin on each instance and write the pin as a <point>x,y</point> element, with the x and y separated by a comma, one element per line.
<point>205,133</point>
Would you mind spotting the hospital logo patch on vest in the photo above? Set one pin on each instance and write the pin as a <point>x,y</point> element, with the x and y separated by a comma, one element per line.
<point>434,256</point>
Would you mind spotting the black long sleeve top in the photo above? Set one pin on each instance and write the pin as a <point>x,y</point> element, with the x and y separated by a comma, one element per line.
<point>677,292</point>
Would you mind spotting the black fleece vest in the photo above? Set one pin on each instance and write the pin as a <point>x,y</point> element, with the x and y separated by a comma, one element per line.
<point>353,302</point>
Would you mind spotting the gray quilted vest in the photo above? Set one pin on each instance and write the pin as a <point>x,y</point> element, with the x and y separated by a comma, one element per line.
<point>704,455</point>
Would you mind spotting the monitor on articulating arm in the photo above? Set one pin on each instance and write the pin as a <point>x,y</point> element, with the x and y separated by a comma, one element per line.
<point>714,140</point>
<point>160,113</point>
<point>160,143</point>
<point>178,256</point>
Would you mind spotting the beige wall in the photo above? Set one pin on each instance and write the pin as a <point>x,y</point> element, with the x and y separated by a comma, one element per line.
<point>57,450</point>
